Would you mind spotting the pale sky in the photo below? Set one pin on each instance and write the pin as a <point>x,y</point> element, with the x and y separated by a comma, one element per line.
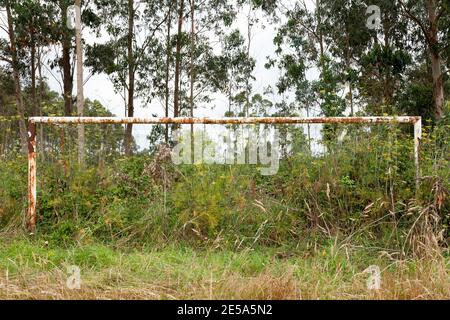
<point>100,88</point>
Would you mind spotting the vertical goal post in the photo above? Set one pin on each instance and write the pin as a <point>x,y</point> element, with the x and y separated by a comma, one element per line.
<point>31,215</point>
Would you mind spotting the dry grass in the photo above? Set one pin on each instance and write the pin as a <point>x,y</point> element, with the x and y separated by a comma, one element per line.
<point>264,286</point>
<point>30,271</point>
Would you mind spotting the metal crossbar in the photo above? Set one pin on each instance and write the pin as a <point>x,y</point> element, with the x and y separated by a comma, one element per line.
<point>31,217</point>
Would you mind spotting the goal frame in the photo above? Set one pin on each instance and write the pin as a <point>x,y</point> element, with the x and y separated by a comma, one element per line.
<point>31,212</point>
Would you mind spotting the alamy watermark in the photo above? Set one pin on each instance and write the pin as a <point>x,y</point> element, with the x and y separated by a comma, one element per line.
<point>72,12</point>
<point>73,281</point>
<point>374,20</point>
<point>374,280</point>
<point>233,147</point>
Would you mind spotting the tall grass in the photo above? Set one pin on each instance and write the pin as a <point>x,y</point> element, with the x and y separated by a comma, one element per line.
<point>140,227</point>
<point>36,271</point>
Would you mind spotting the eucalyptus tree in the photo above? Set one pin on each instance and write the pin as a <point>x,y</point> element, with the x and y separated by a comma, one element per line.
<point>238,67</point>
<point>12,57</point>
<point>131,55</point>
<point>32,28</point>
<point>344,26</point>
<point>80,82</point>
<point>165,87</point>
<point>193,71</point>
<point>304,42</point>
<point>384,62</point>
<point>431,18</point>
<point>8,136</point>
<point>178,58</point>
<point>64,36</point>
<point>6,91</point>
<point>196,62</point>
<point>295,53</point>
<point>302,46</point>
<point>47,24</point>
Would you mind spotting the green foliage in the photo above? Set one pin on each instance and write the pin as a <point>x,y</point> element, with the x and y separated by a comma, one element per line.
<point>363,187</point>
<point>12,190</point>
<point>363,182</point>
<point>210,197</point>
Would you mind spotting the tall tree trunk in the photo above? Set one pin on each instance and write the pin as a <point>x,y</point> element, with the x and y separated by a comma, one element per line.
<point>435,59</point>
<point>176,105</point>
<point>33,73</point>
<point>80,93</point>
<point>65,61</point>
<point>321,57</point>
<point>168,53</point>
<point>320,34</point>
<point>16,74</point>
<point>40,97</point>
<point>131,78</point>
<point>348,66</point>
<point>388,89</point>
<point>249,43</point>
<point>438,85</point>
<point>191,71</point>
<point>230,94</point>
<point>191,67</point>
<point>430,31</point>
<point>308,128</point>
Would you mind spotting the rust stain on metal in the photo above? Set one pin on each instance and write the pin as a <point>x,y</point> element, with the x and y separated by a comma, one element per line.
<point>31,212</point>
<point>261,120</point>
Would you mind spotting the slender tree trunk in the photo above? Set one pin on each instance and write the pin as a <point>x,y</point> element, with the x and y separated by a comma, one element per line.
<point>230,93</point>
<point>176,105</point>
<point>348,65</point>
<point>435,59</point>
<point>33,73</point>
<point>191,67</point>
<point>431,33</point>
<point>125,98</point>
<point>80,93</point>
<point>388,94</point>
<point>16,74</point>
<point>438,85</point>
<point>131,78</point>
<point>168,53</point>
<point>40,98</point>
<point>320,33</point>
<point>308,129</point>
<point>192,80</point>
<point>249,43</point>
<point>321,57</point>
<point>65,61</point>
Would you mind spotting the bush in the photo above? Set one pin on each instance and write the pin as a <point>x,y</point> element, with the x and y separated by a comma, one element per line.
<point>363,187</point>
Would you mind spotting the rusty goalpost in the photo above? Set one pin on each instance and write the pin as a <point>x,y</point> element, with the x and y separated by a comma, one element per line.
<point>31,213</point>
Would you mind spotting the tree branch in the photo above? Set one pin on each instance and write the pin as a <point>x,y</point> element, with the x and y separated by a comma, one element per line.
<point>147,42</point>
<point>417,21</point>
<point>440,13</point>
<point>5,59</point>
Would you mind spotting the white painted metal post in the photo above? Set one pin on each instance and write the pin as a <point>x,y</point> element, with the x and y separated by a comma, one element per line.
<point>31,217</point>
<point>417,138</point>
